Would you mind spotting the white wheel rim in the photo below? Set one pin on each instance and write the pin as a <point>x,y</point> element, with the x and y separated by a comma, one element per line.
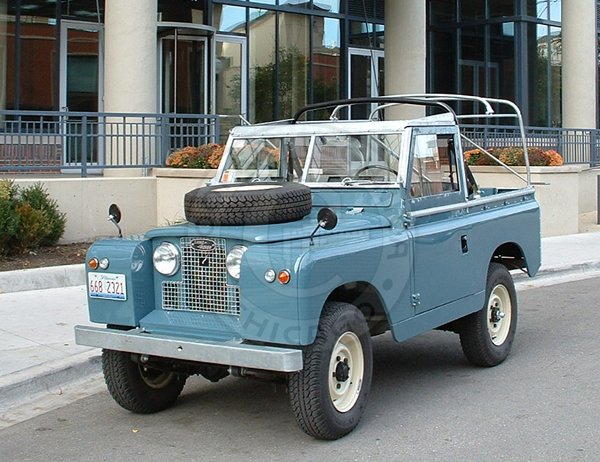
<point>499,314</point>
<point>346,369</point>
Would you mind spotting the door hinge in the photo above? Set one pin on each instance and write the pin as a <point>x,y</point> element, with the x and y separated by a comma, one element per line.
<point>416,300</point>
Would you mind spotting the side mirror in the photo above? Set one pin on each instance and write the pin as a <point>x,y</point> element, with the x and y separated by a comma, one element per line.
<point>326,219</point>
<point>114,215</point>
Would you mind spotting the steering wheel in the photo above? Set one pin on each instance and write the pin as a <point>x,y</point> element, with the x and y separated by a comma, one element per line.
<point>380,167</point>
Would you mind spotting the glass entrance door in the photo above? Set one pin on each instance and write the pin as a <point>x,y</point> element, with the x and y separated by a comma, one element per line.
<point>80,90</point>
<point>365,78</point>
<point>184,71</point>
<point>473,78</point>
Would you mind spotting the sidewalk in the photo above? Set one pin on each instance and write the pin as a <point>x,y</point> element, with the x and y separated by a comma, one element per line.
<point>39,309</point>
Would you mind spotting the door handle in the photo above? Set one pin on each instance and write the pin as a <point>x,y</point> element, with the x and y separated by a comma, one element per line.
<point>464,244</point>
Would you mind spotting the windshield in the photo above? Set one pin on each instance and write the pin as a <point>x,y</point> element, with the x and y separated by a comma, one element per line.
<point>329,159</point>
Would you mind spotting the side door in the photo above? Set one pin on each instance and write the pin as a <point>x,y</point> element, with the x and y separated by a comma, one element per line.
<point>437,220</point>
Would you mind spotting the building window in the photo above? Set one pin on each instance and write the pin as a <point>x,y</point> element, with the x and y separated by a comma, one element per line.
<point>499,48</point>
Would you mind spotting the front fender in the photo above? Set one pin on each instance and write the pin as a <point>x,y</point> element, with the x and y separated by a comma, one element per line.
<point>131,257</point>
<point>289,313</point>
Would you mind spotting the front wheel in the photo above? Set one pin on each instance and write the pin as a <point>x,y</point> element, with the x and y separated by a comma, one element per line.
<point>329,395</point>
<point>487,335</point>
<point>139,388</point>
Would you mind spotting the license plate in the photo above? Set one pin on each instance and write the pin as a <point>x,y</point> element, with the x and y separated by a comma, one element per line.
<point>106,285</point>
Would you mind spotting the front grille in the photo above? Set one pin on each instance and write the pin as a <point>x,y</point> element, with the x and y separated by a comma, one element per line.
<point>203,285</point>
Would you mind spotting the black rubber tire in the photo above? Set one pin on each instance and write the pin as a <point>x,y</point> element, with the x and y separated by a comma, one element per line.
<point>310,396</point>
<point>247,204</point>
<point>485,340</point>
<point>138,390</point>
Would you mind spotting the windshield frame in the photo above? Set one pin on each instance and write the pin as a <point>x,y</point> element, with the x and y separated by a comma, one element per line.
<point>315,130</point>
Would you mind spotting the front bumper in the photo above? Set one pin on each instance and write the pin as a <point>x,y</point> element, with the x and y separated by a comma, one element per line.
<point>229,353</point>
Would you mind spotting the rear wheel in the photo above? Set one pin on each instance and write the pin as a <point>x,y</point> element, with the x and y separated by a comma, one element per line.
<point>487,335</point>
<point>329,395</point>
<point>138,388</point>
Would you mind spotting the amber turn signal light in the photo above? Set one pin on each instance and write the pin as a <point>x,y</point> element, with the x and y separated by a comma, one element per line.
<point>284,276</point>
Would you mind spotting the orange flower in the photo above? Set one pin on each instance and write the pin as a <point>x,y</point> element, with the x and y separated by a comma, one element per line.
<point>205,156</point>
<point>555,159</point>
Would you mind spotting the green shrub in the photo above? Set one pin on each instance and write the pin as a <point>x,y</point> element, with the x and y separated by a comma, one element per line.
<point>54,221</point>
<point>9,217</point>
<point>32,227</point>
<point>29,218</point>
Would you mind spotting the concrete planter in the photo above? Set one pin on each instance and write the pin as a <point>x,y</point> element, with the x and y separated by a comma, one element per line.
<point>171,186</point>
<point>564,193</point>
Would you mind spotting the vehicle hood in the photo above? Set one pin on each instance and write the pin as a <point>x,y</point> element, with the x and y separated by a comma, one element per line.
<point>349,220</point>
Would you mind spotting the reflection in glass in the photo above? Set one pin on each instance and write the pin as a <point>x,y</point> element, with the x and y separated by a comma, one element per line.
<point>296,3</point>
<point>37,74</point>
<point>332,6</point>
<point>539,67</point>
<point>361,33</point>
<point>228,18</point>
<point>228,80</point>
<point>262,66</point>
<point>555,77</point>
<point>555,10</point>
<point>294,54</point>
<point>326,60</point>
<point>545,7</point>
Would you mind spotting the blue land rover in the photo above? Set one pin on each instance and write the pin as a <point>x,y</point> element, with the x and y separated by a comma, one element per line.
<point>314,237</point>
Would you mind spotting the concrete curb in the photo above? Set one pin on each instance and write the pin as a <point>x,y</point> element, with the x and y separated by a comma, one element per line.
<point>558,274</point>
<point>42,278</point>
<point>25,385</point>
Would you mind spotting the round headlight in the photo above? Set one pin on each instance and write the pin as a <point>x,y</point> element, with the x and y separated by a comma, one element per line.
<point>166,259</point>
<point>234,260</point>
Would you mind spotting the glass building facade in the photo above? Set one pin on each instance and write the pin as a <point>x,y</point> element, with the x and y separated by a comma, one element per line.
<point>266,59</point>
<point>499,48</point>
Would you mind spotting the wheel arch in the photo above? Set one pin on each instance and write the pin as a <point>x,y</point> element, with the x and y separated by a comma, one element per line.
<point>511,255</point>
<point>367,299</point>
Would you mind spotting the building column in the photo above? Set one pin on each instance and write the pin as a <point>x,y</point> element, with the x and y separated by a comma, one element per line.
<point>405,50</point>
<point>130,67</point>
<point>130,83</point>
<point>579,64</point>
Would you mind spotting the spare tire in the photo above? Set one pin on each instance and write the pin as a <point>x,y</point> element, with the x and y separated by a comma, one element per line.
<point>247,203</point>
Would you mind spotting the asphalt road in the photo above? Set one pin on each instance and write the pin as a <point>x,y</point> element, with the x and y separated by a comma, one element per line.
<point>427,404</point>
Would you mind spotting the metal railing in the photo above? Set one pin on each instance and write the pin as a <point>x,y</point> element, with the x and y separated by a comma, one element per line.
<point>576,146</point>
<point>84,142</point>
